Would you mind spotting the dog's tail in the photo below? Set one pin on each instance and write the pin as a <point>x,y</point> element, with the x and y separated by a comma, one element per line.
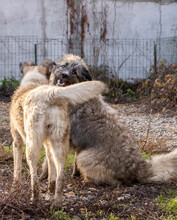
<point>77,93</point>
<point>162,168</point>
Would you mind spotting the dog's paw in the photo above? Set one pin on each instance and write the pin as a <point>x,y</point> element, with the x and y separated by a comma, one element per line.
<point>57,204</point>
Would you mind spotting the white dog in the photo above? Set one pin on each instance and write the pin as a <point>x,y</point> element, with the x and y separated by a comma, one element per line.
<point>38,116</point>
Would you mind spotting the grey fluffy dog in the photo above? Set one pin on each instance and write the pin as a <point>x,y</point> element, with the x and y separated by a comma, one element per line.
<point>106,152</point>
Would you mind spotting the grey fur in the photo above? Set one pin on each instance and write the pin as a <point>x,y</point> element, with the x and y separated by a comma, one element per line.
<point>106,152</point>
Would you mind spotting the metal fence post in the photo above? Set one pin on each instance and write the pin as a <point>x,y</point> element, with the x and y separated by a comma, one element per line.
<point>155,58</point>
<point>35,54</point>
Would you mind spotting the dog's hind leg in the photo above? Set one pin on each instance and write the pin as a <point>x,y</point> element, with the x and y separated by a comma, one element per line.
<point>51,169</point>
<point>34,145</point>
<point>59,152</point>
<point>17,155</point>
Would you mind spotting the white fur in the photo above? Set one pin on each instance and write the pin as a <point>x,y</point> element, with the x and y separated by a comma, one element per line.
<point>38,116</point>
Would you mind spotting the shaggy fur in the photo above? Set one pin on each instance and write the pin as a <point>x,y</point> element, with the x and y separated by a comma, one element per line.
<point>106,152</point>
<point>34,109</point>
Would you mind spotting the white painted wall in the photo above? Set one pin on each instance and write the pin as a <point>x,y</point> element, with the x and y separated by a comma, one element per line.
<point>51,19</point>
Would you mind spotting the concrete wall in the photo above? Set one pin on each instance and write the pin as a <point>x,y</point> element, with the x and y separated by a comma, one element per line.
<point>77,21</point>
<point>123,19</point>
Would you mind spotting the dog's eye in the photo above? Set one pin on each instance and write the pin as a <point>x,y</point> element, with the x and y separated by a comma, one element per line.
<point>64,65</point>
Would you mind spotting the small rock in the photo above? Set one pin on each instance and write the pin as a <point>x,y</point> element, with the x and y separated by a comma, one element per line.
<point>90,197</point>
<point>128,196</point>
<point>83,192</point>
<point>69,186</point>
<point>84,198</point>
<point>93,189</point>
<point>103,202</point>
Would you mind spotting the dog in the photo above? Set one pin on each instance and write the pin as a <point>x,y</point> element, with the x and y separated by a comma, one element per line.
<point>106,153</point>
<point>34,108</point>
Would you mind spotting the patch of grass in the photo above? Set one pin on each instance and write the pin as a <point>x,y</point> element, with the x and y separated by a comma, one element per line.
<point>88,214</point>
<point>168,202</point>
<point>69,160</point>
<point>60,215</point>
<point>113,217</point>
<point>146,156</point>
<point>170,217</point>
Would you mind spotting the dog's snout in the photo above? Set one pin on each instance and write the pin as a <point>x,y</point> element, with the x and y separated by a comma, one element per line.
<point>65,74</point>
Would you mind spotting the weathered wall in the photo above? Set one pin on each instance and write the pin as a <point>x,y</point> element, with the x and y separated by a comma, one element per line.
<point>100,18</point>
<point>78,22</point>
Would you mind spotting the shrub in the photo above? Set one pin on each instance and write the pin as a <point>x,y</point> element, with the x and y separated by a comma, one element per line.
<point>119,90</point>
<point>8,86</point>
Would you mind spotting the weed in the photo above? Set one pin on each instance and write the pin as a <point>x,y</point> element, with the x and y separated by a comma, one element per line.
<point>88,214</point>
<point>119,90</point>
<point>100,213</point>
<point>130,95</point>
<point>60,215</point>
<point>8,86</point>
<point>69,161</point>
<point>112,217</point>
<point>6,82</point>
<point>146,156</point>
<point>132,218</point>
<point>168,201</point>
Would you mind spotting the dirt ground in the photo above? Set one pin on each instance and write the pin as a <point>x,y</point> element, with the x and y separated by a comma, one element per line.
<point>81,201</point>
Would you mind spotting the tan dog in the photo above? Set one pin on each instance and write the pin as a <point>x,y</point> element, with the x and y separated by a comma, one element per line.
<point>34,109</point>
<point>106,151</point>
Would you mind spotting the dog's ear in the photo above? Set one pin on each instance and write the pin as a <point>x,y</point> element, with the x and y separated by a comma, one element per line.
<point>86,74</point>
<point>24,66</point>
<point>49,66</point>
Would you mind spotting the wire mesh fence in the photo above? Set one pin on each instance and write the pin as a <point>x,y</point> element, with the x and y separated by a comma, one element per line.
<point>127,58</point>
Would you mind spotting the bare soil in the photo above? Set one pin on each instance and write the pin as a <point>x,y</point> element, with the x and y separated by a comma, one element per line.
<point>81,201</point>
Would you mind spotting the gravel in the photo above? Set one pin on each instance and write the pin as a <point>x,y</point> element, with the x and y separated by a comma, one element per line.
<point>158,129</point>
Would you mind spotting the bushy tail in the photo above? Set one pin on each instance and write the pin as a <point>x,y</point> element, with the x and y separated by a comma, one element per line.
<point>77,93</point>
<point>163,168</point>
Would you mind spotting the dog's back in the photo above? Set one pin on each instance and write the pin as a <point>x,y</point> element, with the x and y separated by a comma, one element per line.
<point>32,78</point>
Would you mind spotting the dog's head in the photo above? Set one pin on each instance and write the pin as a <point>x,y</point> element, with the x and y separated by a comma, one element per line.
<point>45,68</point>
<point>70,70</point>
<point>26,66</point>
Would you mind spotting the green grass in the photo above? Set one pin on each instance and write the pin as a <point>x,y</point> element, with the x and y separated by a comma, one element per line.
<point>146,156</point>
<point>168,202</point>
<point>69,160</point>
<point>60,215</point>
<point>9,82</point>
